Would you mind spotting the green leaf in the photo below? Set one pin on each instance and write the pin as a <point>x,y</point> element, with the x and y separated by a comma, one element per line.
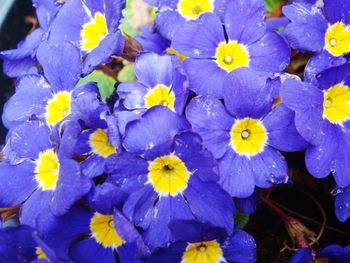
<point>241,219</point>
<point>127,23</point>
<point>127,73</point>
<point>104,82</point>
<point>271,5</point>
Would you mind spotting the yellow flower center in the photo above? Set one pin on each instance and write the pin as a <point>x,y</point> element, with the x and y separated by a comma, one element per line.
<point>231,55</point>
<point>47,170</point>
<point>40,254</point>
<point>160,95</point>
<point>168,175</point>
<point>94,32</point>
<point>99,143</point>
<point>103,230</point>
<point>336,104</point>
<point>337,39</point>
<point>203,252</point>
<point>58,107</point>
<point>248,137</point>
<point>192,9</point>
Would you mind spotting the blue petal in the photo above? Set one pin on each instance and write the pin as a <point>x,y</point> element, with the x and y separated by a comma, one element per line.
<point>112,44</point>
<point>132,94</point>
<point>166,210</point>
<point>17,183</point>
<point>341,170</point>
<point>200,38</point>
<point>210,203</point>
<point>240,248</point>
<point>38,203</point>
<point>282,133</point>
<point>68,23</point>
<point>333,76</point>
<point>62,73</point>
<point>303,255</point>
<point>307,102</point>
<point>95,6</point>
<point>124,117</point>
<point>211,121</point>
<point>128,254</point>
<point>171,254</point>
<point>319,62</point>
<point>152,69</point>
<point>157,126</point>
<point>61,232</point>
<point>320,159</point>
<point>87,107</point>
<point>269,167</point>
<point>20,67</point>
<point>26,141</point>
<point>236,175</point>
<point>113,11</point>
<point>124,165</point>
<point>196,231</point>
<point>152,41</point>
<point>168,22</point>
<point>138,208</point>
<point>248,95</point>
<point>248,205</point>
<point>307,28</point>
<point>20,61</point>
<point>270,54</point>
<point>70,187</point>
<point>105,197</point>
<point>205,77</point>
<point>46,11</point>
<point>337,11</point>
<point>32,94</point>
<point>342,205</point>
<point>89,251</point>
<point>188,147</point>
<point>128,232</point>
<point>335,253</point>
<point>93,166</point>
<point>180,86</point>
<point>244,20</point>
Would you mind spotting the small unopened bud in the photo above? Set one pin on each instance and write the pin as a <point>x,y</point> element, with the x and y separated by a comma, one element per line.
<point>299,232</point>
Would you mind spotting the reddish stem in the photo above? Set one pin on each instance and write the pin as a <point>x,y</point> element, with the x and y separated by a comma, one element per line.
<point>275,208</point>
<point>297,230</point>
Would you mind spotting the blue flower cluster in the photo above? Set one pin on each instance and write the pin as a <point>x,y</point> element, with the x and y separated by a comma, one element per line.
<point>155,172</point>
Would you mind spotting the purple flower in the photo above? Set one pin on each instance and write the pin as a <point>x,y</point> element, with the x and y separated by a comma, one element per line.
<point>215,49</point>
<point>322,115</point>
<point>246,134</point>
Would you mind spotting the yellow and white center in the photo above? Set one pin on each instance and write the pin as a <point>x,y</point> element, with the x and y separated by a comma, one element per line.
<point>336,104</point>
<point>337,39</point>
<point>94,32</point>
<point>192,9</point>
<point>99,143</point>
<point>203,252</point>
<point>40,254</point>
<point>47,170</point>
<point>248,137</point>
<point>231,55</point>
<point>103,230</point>
<point>168,175</point>
<point>58,107</point>
<point>160,95</point>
